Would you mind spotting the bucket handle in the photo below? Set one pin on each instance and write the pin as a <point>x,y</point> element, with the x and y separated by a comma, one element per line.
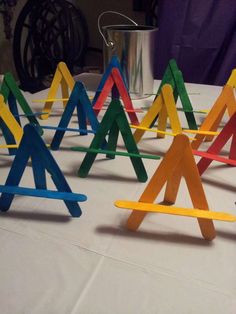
<point>110,43</point>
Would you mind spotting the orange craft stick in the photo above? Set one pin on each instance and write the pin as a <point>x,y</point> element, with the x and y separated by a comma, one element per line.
<point>178,162</point>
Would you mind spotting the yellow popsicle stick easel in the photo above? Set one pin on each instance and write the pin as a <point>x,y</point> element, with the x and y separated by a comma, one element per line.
<point>61,77</point>
<point>226,101</point>
<point>164,107</point>
<point>11,124</point>
<point>232,79</point>
<point>177,163</point>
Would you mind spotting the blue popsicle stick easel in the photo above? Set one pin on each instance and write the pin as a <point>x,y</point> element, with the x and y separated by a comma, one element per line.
<point>79,100</point>
<point>32,146</point>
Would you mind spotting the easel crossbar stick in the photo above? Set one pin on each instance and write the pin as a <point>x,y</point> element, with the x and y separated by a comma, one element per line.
<point>103,151</point>
<point>171,210</point>
<point>68,196</point>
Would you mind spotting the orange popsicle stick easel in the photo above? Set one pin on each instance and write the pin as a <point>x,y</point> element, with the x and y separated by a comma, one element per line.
<point>177,163</point>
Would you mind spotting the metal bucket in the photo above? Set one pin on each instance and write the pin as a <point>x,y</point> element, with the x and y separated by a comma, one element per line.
<point>134,45</point>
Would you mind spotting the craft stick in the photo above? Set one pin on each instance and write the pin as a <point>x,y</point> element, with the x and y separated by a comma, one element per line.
<point>214,157</point>
<point>10,146</point>
<point>10,121</point>
<point>200,132</point>
<point>232,79</point>
<point>172,210</point>
<point>48,127</point>
<point>152,130</point>
<point>50,99</point>
<point>110,152</point>
<point>43,193</point>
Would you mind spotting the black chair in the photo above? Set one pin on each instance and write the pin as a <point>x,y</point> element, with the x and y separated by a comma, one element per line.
<point>47,32</point>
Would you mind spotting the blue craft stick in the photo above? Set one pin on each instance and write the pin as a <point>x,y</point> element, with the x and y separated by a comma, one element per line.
<point>30,145</point>
<point>48,127</point>
<point>38,171</point>
<point>75,197</point>
<point>29,114</point>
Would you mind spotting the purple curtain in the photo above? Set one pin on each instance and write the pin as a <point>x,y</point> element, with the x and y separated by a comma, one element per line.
<point>201,36</point>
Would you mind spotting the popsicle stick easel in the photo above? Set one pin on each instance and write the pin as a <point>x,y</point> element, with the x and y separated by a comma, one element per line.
<point>163,107</point>
<point>63,78</point>
<point>79,100</point>
<point>113,122</point>
<point>113,81</point>
<point>32,146</point>
<point>178,162</point>
<point>173,76</point>
<point>229,131</point>
<point>225,102</point>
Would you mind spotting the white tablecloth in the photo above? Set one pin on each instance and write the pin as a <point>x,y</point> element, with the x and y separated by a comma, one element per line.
<point>52,263</point>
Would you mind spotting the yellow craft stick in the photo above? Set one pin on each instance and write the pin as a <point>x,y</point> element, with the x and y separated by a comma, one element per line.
<point>10,121</point>
<point>179,211</point>
<point>232,79</point>
<point>152,130</point>
<point>157,131</point>
<point>9,146</point>
<point>178,162</point>
<point>168,110</point>
<point>50,99</point>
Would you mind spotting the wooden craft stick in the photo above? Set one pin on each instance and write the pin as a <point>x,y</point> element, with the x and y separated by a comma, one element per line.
<point>179,211</point>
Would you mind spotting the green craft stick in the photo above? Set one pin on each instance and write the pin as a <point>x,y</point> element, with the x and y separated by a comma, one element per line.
<point>118,153</point>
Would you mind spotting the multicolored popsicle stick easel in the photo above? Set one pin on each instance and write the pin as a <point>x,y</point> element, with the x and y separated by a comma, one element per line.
<point>33,147</point>
<point>225,102</point>
<point>113,81</point>
<point>114,120</point>
<point>177,163</point>
<point>229,131</point>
